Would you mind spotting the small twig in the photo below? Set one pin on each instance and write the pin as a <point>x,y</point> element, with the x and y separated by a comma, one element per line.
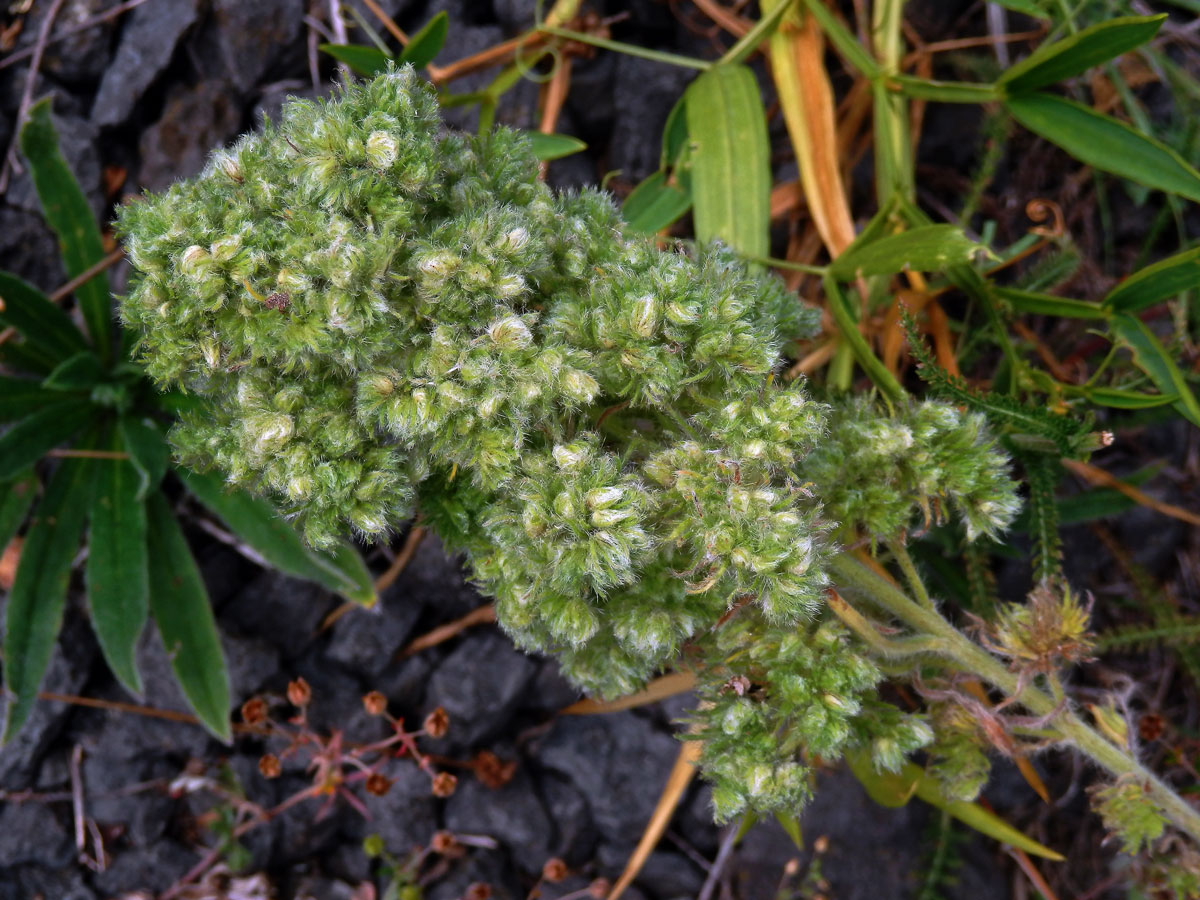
<point>10,156</point>
<point>70,453</point>
<point>718,864</point>
<point>339,33</point>
<point>87,275</point>
<point>481,616</point>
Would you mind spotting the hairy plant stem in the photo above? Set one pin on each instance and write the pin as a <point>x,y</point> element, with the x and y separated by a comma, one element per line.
<point>953,644</point>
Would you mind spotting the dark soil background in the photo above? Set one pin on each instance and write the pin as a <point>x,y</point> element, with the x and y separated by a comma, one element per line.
<point>139,100</point>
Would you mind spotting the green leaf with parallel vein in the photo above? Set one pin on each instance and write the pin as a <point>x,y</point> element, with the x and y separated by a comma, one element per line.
<point>79,373</point>
<point>730,158</point>
<point>1153,284</point>
<point>20,397</point>
<point>427,43</point>
<point>1106,143</point>
<point>67,212</point>
<point>554,146</point>
<point>261,526</point>
<point>118,585</point>
<point>1056,61</point>
<point>148,452</point>
<point>180,606</point>
<point>654,204</point>
<point>1049,305</point>
<point>30,439</point>
<point>1152,358</point>
<point>16,497</point>
<point>35,604</point>
<point>926,248</point>
<point>366,61</point>
<point>44,326</point>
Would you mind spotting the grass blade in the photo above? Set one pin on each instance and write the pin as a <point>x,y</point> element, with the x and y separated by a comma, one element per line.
<point>1152,358</point>
<point>1049,305</point>
<point>1105,143</point>
<point>731,173</point>
<point>118,586</point>
<point>68,213</point>
<point>427,43</point>
<point>1156,283</point>
<point>39,592</point>
<point>1056,61</point>
<point>180,606</point>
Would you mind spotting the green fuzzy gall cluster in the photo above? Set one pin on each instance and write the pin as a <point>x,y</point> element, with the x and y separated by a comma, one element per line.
<point>387,318</point>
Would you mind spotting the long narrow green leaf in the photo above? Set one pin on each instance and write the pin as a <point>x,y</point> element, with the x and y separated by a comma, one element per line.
<point>843,41</point>
<point>79,373</point>
<point>945,91</point>
<point>427,43</point>
<point>148,452</point>
<point>926,248</point>
<point>1051,63</point>
<point>39,592</point>
<point>21,396</point>
<point>366,61</point>
<point>893,789</point>
<point>118,585</point>
<point>1152,358</point>
<point>27,441</point>
<point>16,497</point>
<point>1105,143</point>
<point>554,146</point>
<point>180,606</point>
<point>839,308</point>
<point>1153,284</point>
<point>654,204</point>
<point>731,172</point>
<point>68,213</point>
<point>1118,398</point>
<point>261,526</point>
<point>1049,305</point>
<point>43,325</point>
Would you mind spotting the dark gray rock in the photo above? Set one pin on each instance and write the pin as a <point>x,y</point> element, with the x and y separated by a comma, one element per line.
<point>644,92</point>
<point>253,664</point>
<point>153,868</point>
<point>759,860</point>
<point>29,248</point>
<point>366,640</point>
<point>77,142</point>
<point>512,814</point>
<point>61,884</point>
<point>480,685</point>
<point>194,121</point>
<point>550,691</point>
<point>516,15</point>
<point>307,829</point>
<point>127,734</point>
<point>671,875</point>
<point>81,58</point>
<point>574,833</point>
<point>403,683</point>
<point>147,45</point>
<point>31,833</point>
<point>406,816</point>
<point>107,779</point>
<point>436,580</point>
<point>251,36</point>
<point>285,611</point>
<point>479,866</point>
<point>21,755</point>
<point>619,762</point>
<point>337,701</point>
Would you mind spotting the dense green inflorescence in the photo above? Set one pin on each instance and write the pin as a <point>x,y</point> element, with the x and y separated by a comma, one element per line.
<point>388,318</point>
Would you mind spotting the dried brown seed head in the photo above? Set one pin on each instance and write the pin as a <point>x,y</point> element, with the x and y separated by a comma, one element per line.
<point>378,784</point>
<point>1151,727</point>
<point>254,711</point>
<point>299,693</point>
<point>478,891</point>
<point>270,766</point>
<point>437,723</point>
<point>280,300</point>
<point>599,888</point>
<point>375,703</point>
<point>443,842</point>
<point>444,784</point>
<point>491,770</point>
<point>555,870</point>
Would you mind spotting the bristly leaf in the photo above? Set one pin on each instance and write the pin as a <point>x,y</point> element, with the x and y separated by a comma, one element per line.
<point>118,586</point>
<point>1057,61</point>
<point>1043,473</point>
<point>427,43</point>
<point>180,606</point>
<point>1106,143</point>
<point>39,592</point>
<point>67,212</point>
<point>259,524</point>
<point>1153,284</point>
<point>43,325</point>
<point>30,439</point>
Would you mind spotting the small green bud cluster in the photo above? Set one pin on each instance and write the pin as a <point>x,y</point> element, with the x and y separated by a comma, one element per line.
<point>386,318</point>
<point>771,695</point>
<point>1129,813</point>
<point>959,758</point>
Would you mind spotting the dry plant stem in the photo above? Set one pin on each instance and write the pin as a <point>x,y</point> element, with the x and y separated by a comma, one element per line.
<point>855,576</point>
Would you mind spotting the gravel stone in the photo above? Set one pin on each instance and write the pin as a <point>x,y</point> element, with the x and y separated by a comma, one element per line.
<point>153,868</point>
<point>406,815</point>
<point>147,45</point>
<point>194,121</point>
<point>286,611</point>
<point>31,833</point>
<point>512,814</point>
<point>251,36</point>
<point>366,640</point>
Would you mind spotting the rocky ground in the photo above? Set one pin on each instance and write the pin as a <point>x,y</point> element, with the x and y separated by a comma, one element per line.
<point>139,100</point>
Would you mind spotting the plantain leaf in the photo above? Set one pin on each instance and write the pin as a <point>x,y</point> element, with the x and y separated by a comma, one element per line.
<point>366,61</point>
<point>654,204</point>
<point>179,604</point>
<point>554,146</point>
<point>427,43</point>
<point>39,592</point>
<point>731,173</point>
<point>79,373</point>
<point>1105,143</point>
<point>1056,61</point>
<point>148,452</point>
<point>1152,358</point>
<point>16,497</point>
<point>259,524</point>
<point>118,585</point>
<point>675,134</point>
<point>926,248</point>
<point>1049,305</point>
<point>1156,283</point>
<point>44,326</point>
<point>67,212</point>
<point>27,441</point>
<point>896,789</point>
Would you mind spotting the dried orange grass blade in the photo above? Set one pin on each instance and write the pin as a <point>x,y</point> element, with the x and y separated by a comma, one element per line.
<point>785,197</point>
<point>1024,766</point>
<point>806,98</point>
<point>1097,476</point>
<point>658,689</point>
<point>1032,873</point>
<point>943,342</point>
<point>677,782</point>
<point>484,615</point>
